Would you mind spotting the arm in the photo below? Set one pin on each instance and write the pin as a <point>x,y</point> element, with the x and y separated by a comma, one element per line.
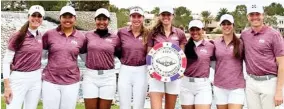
<point>7,61</point>
<point>280,81</point>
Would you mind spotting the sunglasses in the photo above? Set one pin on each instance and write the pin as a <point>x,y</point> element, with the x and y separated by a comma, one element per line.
<point>136,16</point>
<point>194,29</point>
<point>36,15</point>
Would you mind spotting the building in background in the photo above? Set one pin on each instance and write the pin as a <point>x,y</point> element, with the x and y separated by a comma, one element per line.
<point>280,23</point>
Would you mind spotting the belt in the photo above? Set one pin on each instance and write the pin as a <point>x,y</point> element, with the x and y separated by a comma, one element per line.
<point>262,78</point>
<point>191,79</point>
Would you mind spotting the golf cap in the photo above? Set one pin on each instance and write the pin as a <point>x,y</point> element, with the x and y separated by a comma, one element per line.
<point>254,8</point>
<point>67,9</point>
<point>36,8</point>
<point>102,11</point>
<point>137,10</point>
<point>228,17</point>
<point>195,23</point>
<point>166,9</point>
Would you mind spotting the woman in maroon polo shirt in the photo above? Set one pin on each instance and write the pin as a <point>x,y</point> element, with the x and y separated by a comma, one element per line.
<point>99,81</point>
<point>164,31</point>
<point>22,62</point>
<point>229,82</point>
<point>133,73</point>
<point>61,75</point>
<point>196,91</point>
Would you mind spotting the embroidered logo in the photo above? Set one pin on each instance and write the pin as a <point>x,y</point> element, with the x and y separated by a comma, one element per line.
<point>74,42</point>
<point>261,40</point>
<point>203,50</point>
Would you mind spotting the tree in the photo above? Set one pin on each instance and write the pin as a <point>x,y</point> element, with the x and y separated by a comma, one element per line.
<point>240,16</point>
<point>113,8</point>
<point>274,9</point>
<point>206,18</point>
<point>83,5</point>
<point>48,5</point>
<point>122,17</point>
<point>155,11</point>
<point>182,16</point>
<point>270,20</point>
<point>221,12</point>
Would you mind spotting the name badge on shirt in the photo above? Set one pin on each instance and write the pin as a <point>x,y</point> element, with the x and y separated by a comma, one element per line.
<point>174,38</point>
<point>231,47</point>
<point>261,40</point>
<point>108,40</point>
<point>74,42</point>
<point>203,50</point>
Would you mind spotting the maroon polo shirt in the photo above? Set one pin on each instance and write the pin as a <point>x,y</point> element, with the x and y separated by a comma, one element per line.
<point>200,68</point>
<point>229,69</point>
<point>176,37</point>
<point>133,49</point>
<point>28,57</point>
<point>100,51</point>
<point>261,50</point>
<point>63,51</point>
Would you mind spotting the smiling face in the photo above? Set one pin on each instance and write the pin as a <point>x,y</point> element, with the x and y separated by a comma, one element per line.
<point>196,33</point>
<point>166,18</point>
<point>255,19</point>
<point>67,20</point>
<point>136,20</point>
<point>227,27</point>
<point>102,22</point>
<point>35,20</point>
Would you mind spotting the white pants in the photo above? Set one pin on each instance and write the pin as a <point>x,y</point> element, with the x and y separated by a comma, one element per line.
<point>195,92</point>
<point>164,87</point>
<point>59,96</point>
<point>26,87</point>
<point>260,94</point>
<point>132,80</point>
<point>224,96</point>
<point>96,85</point>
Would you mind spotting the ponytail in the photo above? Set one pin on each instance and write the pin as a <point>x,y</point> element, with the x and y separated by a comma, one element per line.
<point>236,43</point>
<point>189,50</point>
<point>21,37</point>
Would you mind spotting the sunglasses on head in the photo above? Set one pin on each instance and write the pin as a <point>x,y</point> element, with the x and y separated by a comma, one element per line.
<point>166,14</point>
<point>37,15</point>
<point>226,23</point>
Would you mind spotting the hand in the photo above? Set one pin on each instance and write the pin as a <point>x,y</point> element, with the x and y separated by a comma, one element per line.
<point>8,95</point>
<point>180,76</point>
<point>278,98</point>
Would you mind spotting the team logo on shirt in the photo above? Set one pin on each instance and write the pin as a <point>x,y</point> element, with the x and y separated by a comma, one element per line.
<point>108,40</point>
<point>203,50</point>
<point>261,40</point>
<point>174,38</point>
<point>231,47</point>
<point>140,38</point>
<point>39,41</point>
<point>166,62</point>
<point>74,42</point>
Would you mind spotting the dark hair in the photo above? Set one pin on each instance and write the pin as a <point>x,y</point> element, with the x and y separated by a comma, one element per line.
<point>189,50</point>
<point>158,28</point>
<point>21,36</point>
<point>236,42</point>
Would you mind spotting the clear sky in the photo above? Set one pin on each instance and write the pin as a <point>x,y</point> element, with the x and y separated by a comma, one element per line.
<point>196,6</point>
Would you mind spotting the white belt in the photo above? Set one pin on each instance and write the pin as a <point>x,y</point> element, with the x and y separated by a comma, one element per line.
<point>192,79</point>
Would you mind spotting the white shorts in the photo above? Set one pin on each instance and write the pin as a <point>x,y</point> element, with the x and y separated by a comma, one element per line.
<point>224,96</point>
<point>26,88</point>
<point>97,85</point>
<point>164,87</point>
<point>199,92</point>
<point>55,96</point>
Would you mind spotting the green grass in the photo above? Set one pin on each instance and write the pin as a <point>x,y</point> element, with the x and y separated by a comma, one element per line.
<point>79,105</point>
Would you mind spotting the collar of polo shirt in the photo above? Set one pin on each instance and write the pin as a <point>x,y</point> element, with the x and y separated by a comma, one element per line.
<point>62,33</point>
<point>262,30</point>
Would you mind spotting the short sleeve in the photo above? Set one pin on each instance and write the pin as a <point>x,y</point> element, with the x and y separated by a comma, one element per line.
<point>150,40</point>
<point>45,44</point>
<point>278,45</point>
<point>182,40</point>
<point>12,41</point>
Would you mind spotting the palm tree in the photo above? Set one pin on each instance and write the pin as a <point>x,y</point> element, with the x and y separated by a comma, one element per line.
<point>221,12</point>
<point>207,18</point>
